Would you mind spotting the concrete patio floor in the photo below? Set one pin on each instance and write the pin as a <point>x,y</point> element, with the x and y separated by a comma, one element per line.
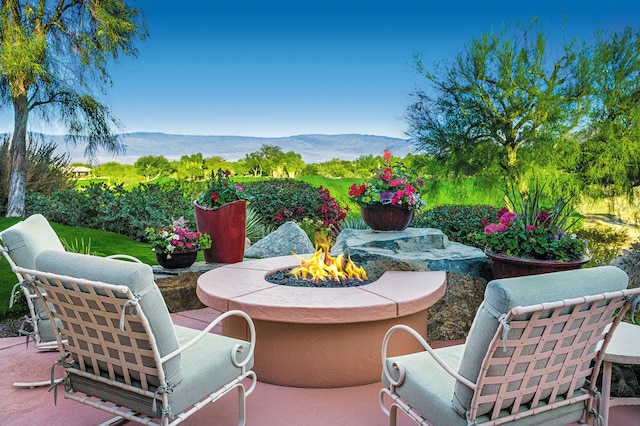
<point>269,405</point>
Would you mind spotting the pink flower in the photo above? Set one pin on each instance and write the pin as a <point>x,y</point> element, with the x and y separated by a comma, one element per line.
<point>396,182</point>
<point>278,217</point>
<point>530,227</point>
<point>508,217</point>
<point>502,211</point>
<point>189,245</point>
<point>490,228</point>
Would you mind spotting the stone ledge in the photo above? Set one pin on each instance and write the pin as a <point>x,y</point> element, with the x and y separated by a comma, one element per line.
<point>178,286</point>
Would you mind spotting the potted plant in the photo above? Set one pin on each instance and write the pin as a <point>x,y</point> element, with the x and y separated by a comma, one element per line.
<point>221,211</point>
<point>176,246</point>
<point>389,197</point>
<point>528,239</point>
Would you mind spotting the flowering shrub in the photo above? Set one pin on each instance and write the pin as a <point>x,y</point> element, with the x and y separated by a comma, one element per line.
<point>534,233</point>
<point>458,222</point>
<point>220,190</point>
<point>282,200</point>
<point>177,238</point>
<point>389,185</point>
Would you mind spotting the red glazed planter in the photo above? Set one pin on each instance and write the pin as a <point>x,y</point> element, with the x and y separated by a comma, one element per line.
<point>508,266</point>
<point>227,227</point>
<point>387,217</point>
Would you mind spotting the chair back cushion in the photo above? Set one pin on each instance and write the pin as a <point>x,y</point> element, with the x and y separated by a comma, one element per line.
<point>504,294</point>
<point>26,239</point>
<point>139,278</point>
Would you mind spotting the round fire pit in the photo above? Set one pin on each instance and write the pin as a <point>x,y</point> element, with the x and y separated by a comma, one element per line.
<point>320,337</point>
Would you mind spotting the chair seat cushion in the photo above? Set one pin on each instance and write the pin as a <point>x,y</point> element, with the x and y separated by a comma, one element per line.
<point>206,368</point>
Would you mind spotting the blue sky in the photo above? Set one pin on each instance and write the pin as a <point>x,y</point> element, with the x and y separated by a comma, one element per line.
<point>280,68</point>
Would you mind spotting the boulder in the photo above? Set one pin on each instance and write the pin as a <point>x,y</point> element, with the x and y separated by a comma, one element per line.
<point>288,238</point>
<point>425,249</point>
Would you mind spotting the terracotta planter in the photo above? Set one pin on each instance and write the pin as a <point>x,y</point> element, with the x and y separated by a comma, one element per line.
<point>387,217</point>
<point>227,227</point>
<point>179,260</point>
<point>507,266</point>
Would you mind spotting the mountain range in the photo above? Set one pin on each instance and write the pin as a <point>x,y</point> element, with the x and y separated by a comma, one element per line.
<point>313,148</point>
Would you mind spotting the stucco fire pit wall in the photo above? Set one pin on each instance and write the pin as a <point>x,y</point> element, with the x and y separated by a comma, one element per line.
<point>320,337</point>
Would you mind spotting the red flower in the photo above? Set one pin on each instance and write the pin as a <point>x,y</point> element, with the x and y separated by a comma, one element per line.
<point>386,157</point>
<point>215,197</point>
<point>356,191</point>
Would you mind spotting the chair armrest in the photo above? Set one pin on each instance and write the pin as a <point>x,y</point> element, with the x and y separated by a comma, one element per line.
<point>123,257</point>
<point>427,347</point>
<point>236,348</point>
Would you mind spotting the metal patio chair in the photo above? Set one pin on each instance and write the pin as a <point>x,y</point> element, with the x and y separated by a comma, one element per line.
<point>123,354</point>
<point>532,355</point>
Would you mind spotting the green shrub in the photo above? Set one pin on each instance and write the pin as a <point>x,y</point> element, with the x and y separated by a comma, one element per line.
<point>605,243</point>
<point>115,209</point>
<point>457,221</point>
<point>280,200</point>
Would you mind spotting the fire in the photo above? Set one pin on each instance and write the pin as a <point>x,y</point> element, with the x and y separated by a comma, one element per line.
<point>321,266</point>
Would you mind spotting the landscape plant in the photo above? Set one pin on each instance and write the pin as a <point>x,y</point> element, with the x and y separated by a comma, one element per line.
<point>282,200</point>
<point>221,190</point>
<point>176,238</point>
<point>458,222</point>
<point>530,231</point>
<point>390,184</point>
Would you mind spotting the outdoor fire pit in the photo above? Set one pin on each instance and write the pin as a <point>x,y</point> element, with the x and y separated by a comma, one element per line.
<point>320,337</point>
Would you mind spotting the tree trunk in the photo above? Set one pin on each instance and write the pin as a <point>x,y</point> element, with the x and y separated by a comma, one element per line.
<point>17,153</point>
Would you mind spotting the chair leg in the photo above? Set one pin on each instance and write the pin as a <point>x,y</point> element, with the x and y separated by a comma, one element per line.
<point>393,415</point>
<point>242,405</point>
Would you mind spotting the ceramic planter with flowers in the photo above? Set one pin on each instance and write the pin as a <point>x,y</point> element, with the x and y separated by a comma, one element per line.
<point>389,197</point>
<point>176,246</point>
<point>531,240</point>
<point>221,211</point>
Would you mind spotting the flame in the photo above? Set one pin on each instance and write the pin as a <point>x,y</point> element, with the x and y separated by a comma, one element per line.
<point>321,266</point>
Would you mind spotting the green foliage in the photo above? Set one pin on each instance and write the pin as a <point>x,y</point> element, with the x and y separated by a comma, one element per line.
<point>533,232</point>
<point>152,167</point>
<point>282,200</point>
<point>114,209</point>
<point>220,190</point>
<point>605,243</point>
<point>79,246</point>
<point>256,229</point>
<point>458,222</point>
<point>45,169</point>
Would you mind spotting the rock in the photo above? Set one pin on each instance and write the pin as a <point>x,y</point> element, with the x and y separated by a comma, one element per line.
<point>414,249</point>
<point>178,286</point>
<point>425,249</point>
<point>288,238</point>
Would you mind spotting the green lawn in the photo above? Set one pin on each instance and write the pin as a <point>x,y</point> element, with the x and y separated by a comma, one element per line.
<point>101,243</point>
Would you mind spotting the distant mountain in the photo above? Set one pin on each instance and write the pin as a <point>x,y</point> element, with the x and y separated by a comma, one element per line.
<point>312,148</point>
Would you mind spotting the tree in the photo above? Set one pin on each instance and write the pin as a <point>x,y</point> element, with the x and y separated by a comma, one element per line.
<point>153,166</point>
<point>503,94</point>
<point>611,142</point>
<point>53,53</point>
<point>191,167</point>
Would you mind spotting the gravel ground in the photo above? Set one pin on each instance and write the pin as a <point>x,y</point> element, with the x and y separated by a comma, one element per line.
<point>10,327</point>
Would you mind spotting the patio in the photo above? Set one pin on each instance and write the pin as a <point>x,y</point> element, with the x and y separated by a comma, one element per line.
<point>268,405</point>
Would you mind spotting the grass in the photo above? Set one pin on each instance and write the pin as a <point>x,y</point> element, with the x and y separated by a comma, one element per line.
<point>102,244</point>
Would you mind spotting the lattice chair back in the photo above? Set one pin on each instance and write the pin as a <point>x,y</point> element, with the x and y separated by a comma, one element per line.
<point>545,353</point>
<point>108,335</point>
<point>123,354</point>
<point>22,243</point>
